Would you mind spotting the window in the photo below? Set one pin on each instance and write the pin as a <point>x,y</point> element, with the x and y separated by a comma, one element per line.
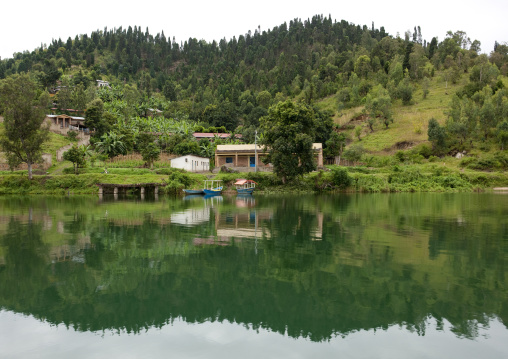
<point>229,159</point>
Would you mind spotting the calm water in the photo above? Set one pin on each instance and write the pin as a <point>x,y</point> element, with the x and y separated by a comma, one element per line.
<point>349,276</point>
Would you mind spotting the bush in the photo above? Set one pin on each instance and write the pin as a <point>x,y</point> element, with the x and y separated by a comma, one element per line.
<point>400,156</point>
<point>466,161</point>
<point>340,177</point>
<point>424,150</point>
<point>73,135</point>
<point>177,181</point>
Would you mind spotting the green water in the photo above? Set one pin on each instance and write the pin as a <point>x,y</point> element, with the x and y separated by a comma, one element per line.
<point>349,276</point>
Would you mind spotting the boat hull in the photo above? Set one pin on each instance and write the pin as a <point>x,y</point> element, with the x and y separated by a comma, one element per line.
<point>245,190</point>
<point>217,190</point>
<point>193,191</point>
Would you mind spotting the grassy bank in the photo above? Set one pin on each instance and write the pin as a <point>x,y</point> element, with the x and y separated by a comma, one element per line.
<point>427,177</point>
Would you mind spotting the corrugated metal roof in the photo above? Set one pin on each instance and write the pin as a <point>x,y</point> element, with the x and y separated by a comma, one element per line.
<point>212,135</point>
<point>252,147</point>
<point>245,147</point>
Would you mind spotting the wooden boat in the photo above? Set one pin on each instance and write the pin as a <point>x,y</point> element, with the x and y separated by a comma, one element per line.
<point>212,187</point>
<point>193,191</point>
<point>245,186</point>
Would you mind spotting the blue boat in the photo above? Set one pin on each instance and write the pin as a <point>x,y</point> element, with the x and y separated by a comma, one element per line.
<point>212,187</point>
<point>193,191</point>
<point>245,186</point>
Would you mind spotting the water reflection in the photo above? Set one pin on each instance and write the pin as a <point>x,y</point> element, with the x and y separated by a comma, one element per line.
<point>307,266</point>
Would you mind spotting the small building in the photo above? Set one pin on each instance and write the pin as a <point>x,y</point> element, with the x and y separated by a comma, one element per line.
<point>101,83</point>
<point>153,112</point>
<point>191,163</point>
<point>247,155</point>
<point>62,124</point>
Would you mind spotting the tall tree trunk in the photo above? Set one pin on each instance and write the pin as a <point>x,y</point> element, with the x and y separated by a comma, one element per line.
<point>29,164</point>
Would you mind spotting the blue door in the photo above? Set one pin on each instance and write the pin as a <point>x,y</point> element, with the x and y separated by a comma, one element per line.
<point>253,161</point>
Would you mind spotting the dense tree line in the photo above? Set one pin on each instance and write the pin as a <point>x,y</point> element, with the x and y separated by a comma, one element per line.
<point>232,84</point>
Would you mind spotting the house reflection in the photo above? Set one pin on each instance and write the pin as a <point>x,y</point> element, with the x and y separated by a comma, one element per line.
<point>244,221</point>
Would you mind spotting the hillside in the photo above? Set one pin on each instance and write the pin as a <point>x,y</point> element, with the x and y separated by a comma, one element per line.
<point>380,91</point>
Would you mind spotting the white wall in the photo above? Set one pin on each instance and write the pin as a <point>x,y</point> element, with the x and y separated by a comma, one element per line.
<point>191,163</point>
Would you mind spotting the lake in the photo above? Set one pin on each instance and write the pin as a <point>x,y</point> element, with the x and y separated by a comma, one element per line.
<point>281,276</point>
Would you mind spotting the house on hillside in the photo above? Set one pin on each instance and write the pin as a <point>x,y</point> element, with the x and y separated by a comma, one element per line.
<point>246,156</point>
<point>153,112</point>
<point>62,124</point>
<point>101,83</point>
<point>191,163</point>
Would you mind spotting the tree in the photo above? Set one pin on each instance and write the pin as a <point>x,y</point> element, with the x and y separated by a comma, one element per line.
<point>24,109</point>
<point>169,90</point>
<point>405,91</point>
<point>288,137</point>
<point>358,132</point>
<point>335,146</point>
<point>379,105</point>
<point>76,156</point>
<point>425,87</point>
<point>94,117</point>
<point>502,133</point>
<point>223,114</point>
<point>437,135</point>
<point>151,153</point>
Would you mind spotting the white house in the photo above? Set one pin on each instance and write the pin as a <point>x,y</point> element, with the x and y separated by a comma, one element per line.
<point>191,163</point>
<point>191,216</point>
<point>101,83</point>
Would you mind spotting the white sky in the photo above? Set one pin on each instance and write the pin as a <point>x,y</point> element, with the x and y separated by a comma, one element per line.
<point>24,25</point>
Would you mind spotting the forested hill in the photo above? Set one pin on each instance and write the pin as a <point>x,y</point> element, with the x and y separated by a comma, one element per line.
<point>232,83</point>
<point>270,60</point>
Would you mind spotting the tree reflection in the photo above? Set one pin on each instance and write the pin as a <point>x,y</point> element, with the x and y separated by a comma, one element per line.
<point>325,266</point>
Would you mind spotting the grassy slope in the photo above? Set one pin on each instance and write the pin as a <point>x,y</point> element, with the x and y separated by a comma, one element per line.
<point>410,122</point>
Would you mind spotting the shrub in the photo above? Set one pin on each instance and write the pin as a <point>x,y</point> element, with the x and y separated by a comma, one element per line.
<point>424,150</point>
<point>466,161</point>
<point>73,135</point>
<point>340,177</point>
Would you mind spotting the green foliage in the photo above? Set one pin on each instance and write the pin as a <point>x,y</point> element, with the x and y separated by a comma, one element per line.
<point>379,105</point>
<point>498,161</point>
<point>405,92</point>
<point>151,153</point>
<point>502,134</point>
<point>75,156</point>
<point>358,132</point>
<point>335,144</point>
<point>340,177</point>
<point>23,106</point>
<point>187,147</point>
<point>354,152</point>
<point>73,135</point>
<point>437,136</point>
<point>177,181</point>
<point>111,145</point>
<point>94,119</point>
<point>289,134</point>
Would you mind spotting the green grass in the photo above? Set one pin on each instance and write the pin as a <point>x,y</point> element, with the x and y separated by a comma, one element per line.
<point>410,122</point>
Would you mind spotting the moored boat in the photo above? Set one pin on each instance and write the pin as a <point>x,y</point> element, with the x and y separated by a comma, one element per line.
<point>193,191</point>
<point>212,187</point>
<point>245,186</point>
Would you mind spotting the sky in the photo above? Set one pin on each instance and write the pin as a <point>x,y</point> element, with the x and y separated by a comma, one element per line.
<point>25,25</point>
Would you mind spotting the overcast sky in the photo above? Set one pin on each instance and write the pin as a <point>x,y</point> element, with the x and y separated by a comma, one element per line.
<point>24,25</point>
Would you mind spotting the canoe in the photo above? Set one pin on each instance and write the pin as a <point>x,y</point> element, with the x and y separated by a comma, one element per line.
<point>193,191</point>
